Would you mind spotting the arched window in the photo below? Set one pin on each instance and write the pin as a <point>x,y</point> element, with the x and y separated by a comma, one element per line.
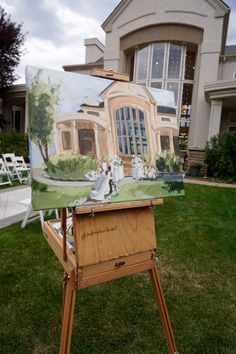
<point>169,66</point>
<point>131,131</point>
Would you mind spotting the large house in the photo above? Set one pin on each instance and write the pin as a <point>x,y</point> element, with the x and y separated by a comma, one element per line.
<point>128,120</point>
<point>177,45</point>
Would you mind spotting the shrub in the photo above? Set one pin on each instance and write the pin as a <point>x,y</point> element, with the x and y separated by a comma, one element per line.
<point>168,162</point>
<point>72,168</point>
<point>220,156</point>
<point>195,169</point>
<point>16,143</point>
<point>196,165</point>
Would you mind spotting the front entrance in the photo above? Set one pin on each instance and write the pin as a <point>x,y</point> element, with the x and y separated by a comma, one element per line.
<point>87,142</point>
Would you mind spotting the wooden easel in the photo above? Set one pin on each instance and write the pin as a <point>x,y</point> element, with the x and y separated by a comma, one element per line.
<point>111,241</point>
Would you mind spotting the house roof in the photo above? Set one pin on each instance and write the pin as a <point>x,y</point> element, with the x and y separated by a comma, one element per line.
<point>221,9</point>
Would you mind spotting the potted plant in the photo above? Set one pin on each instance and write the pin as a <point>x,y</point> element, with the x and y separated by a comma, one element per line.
<point>195,169</point>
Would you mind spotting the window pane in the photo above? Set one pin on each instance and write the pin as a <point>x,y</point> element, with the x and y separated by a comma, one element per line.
<point>174,87</point>
<point>66,141</point>
<point>165,142</point>
<point>86,142</point>
<point>186,100</point>
<point>158,60</point>
<point>131,132</point>
<point>142,63</point>
<point>190,64</point>
<point>174,61</point>
<point>157,85</point>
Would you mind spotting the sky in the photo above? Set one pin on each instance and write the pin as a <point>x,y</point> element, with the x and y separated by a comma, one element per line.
<point>56,29</point>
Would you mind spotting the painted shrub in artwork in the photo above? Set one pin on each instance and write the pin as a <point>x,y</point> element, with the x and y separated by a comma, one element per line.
<point>94,140</point>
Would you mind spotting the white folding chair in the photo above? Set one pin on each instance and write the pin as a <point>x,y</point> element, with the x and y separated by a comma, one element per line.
<point>4,174</point>
<point>20,168</point>
<point>28,217</point>
<point>8,160</point>
<point>16,167</point>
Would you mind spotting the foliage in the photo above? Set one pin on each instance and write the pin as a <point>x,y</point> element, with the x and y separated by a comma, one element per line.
<point>168,162</point>
<point>72,168</point>
<point>11,40</point>
<point>196,262</point>
<point>16,143</point>
<point>220,156</point>
<point>43,100</point>
<point>183,144</point>
<point>196,165</point>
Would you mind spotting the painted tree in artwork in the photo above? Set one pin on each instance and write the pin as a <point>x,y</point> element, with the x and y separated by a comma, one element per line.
<point>43,101</point>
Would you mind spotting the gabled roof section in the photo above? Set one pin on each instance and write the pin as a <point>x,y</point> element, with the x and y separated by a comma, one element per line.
<point>107,24</point>
<point>221,7</point>
<point>221,10</point>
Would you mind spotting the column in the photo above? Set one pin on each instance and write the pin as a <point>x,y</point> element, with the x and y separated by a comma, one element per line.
<point>96,141</point>
<point>159,143</point>
<point>215,118</point>
<point>75,140</point>
<point>172,149</point>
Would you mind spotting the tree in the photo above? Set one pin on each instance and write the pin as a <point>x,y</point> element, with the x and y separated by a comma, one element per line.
<point>11,40</point>
<point>43,100</point>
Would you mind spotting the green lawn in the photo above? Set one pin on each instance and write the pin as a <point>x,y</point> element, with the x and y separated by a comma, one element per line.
<point>197,264</point>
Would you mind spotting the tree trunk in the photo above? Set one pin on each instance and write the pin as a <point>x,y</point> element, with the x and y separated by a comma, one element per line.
<point>41,151</point>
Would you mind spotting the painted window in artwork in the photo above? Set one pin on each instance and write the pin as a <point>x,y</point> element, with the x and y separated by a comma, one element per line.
<point>174,87</point>
<point>131,131</point>
<point>87,142</point>
<point>66,140</point>
<point>165,142</point>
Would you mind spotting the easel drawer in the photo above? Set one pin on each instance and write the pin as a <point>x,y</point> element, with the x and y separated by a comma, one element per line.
<point>102,272</point>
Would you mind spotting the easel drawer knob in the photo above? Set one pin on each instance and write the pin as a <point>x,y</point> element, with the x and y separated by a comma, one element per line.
<point>119,264</point>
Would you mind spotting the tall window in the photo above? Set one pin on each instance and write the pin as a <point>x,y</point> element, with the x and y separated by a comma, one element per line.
<point>168,66</point>
<point>131,131</point>
<point>87,142</point>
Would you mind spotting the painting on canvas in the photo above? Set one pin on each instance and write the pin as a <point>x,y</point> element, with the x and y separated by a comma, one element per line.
<point>94,140</point>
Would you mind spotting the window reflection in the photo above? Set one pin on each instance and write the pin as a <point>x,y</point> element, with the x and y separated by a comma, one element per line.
<point>189,64</point>
<point>168,66</point>
<point>143,63</point>
<point>158,60</point>
<point>174,61</point>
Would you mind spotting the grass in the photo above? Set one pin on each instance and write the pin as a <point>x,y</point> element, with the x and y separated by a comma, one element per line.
<point>15,183</point>
<point>196,260</point>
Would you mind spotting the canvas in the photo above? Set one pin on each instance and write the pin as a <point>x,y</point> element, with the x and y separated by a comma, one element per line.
<point>94,140</point>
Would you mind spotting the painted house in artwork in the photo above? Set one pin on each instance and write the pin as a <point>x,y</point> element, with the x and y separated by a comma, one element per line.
<point>127,120</point>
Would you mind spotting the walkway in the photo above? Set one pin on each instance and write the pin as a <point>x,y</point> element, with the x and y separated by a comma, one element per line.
<point>11,210</point>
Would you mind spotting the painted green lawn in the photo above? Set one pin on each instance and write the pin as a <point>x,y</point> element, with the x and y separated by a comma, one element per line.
<point>197,264</point>
<point>52,197</point>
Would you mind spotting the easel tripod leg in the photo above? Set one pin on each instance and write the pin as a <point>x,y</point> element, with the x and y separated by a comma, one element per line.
<point>163,310</point>
<point>68,314</point>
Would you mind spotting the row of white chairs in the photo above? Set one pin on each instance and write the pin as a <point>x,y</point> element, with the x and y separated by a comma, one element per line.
<point>13,167</point>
